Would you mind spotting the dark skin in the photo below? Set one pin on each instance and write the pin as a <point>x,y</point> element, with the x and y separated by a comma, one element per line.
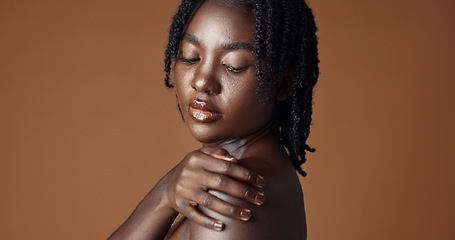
<point>220,189</point>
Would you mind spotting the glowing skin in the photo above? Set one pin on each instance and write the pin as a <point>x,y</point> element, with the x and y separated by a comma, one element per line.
<point>241,184</point>
<point>215,78</point>
<point>216,83</point>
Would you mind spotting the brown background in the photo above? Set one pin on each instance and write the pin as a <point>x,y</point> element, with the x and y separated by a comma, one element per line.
<point>87,127</point>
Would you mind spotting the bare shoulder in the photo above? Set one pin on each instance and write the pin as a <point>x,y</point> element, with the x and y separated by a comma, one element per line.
<point>283,214</point>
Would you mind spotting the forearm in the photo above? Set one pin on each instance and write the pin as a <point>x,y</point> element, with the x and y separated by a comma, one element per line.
<point>151,219</point>
<point>186,184</point>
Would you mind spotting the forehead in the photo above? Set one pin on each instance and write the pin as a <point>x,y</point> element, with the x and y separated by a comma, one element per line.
<point>215,19</point>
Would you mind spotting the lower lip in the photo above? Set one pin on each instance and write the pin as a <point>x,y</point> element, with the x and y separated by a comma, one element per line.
<point>203,116</point>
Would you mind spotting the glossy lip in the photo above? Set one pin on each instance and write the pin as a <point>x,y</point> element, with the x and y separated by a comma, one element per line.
<point>201,111</point>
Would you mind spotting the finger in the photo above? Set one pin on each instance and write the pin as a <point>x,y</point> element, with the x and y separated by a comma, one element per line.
<point>221,183</point>
<point>228,158</point>
<point>235,171</point>
<point>220,153</point>
<point>196,216</point>
<point>234,188</point>
<point>222,207</point>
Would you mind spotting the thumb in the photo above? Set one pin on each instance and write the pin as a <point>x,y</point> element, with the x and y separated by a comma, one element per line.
<point>220,153</point>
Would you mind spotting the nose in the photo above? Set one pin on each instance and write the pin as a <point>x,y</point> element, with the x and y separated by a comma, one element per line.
<point>206,81</point>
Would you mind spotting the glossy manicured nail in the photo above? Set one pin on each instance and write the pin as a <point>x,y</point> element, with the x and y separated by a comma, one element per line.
<point>218,226</point>
<point>231,158</point>
<point>260,181</point>
<point>260,198</point>
<point>245,214</point>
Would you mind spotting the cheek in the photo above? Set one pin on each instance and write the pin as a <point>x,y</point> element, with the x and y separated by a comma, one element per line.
<point>253,106</point>
<point>183,72</point>
<point>178,74</point>
<point>240,86</point>
<point>182,80</point>
<point>179,87</point>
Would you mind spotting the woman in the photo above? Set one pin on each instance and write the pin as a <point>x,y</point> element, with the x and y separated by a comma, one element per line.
<point>244,76</point>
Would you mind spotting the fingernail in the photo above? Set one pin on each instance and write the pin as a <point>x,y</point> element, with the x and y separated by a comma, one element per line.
<point>218,226</point>
<point>230,157</point>
<point>260,181</point>
<point>260,198</point>
<point>245,214</point>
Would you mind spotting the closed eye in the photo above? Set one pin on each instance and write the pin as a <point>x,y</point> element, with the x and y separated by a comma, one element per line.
<point>189,61</point>
<point>236,70</point>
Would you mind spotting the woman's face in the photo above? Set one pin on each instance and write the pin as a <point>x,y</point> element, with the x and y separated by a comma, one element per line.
<point>215,75</point>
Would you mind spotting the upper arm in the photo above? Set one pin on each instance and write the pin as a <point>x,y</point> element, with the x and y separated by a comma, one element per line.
<point>276,219</point>
<point>259,226</point>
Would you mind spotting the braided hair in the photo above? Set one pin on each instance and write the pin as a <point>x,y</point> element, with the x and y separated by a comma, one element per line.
<point>286,39</point>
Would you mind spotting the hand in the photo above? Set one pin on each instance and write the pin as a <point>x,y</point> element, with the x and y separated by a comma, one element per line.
<point>211,168</point>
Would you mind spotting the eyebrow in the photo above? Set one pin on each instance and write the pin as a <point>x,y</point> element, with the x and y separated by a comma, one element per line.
<point>236,45</point>
<point>224,46</point>
<point>191,38</point>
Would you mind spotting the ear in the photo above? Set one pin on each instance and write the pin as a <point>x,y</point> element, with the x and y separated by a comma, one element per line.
<point>286,87</point>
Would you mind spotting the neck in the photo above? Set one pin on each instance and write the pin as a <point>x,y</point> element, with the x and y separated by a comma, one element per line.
<point>238,147</point>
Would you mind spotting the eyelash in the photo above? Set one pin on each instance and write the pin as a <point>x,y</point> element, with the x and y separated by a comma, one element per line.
<point>230,68</point>
<point>189,61</point>
<point>236,70</point>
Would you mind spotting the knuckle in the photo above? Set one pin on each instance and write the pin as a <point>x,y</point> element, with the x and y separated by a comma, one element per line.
<point>178,188</point>
<point>184,173</point>
<point>174,187</point>
<point>231,210</point>
<point>249,176</point>
<point>246,192</point>
<point>219,181</point>
<point>191,215</point>
<point>193,158</point>
<point>225,167</point>
<point>207,200</point>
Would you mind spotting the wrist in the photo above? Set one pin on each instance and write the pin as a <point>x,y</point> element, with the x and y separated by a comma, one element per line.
<point>161,192</point>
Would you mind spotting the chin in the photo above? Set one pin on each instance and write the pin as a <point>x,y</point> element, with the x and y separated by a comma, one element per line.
<point>204,139</point>
<point>205,136</point>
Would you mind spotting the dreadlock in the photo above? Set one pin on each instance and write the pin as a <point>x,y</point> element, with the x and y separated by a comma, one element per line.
<point>286,40</point>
